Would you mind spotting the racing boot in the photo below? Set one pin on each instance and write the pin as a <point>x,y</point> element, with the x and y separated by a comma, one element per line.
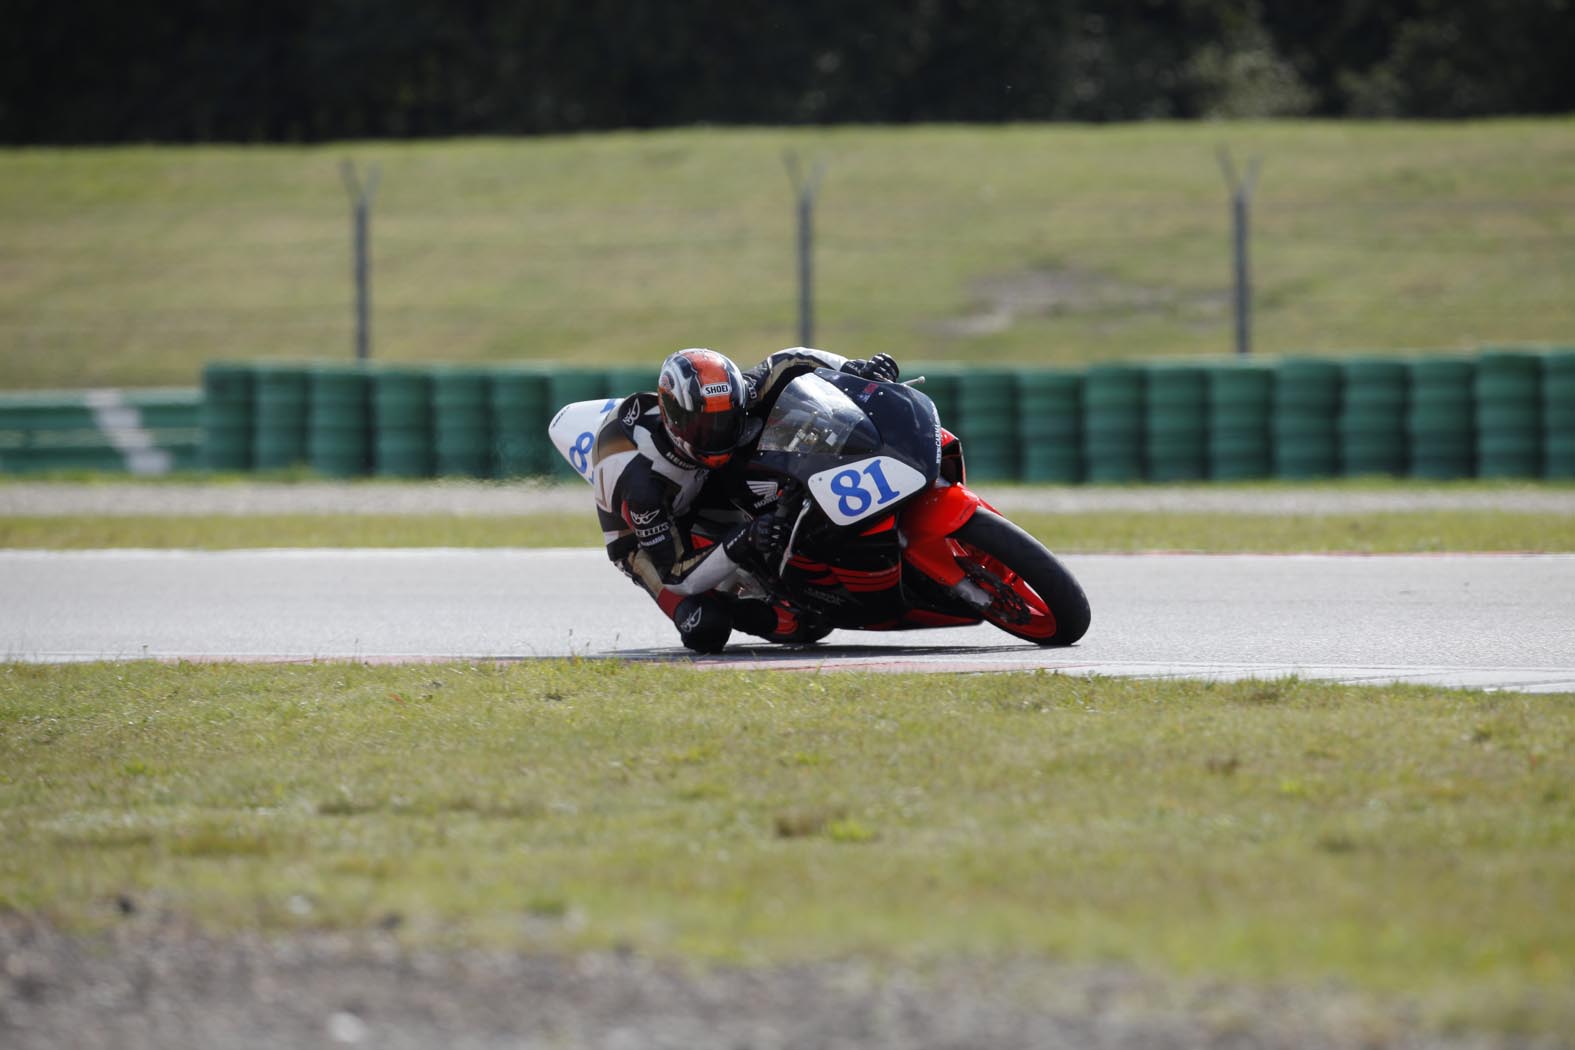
<point>778,622</point>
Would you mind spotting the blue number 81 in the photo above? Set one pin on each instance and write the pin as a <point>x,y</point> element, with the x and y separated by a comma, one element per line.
<point>852,500</point>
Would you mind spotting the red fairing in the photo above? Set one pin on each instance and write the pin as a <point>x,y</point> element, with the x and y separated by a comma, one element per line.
<point>926,523</point>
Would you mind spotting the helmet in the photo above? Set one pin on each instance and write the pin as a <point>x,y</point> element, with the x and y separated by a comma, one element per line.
<point>702,397</point>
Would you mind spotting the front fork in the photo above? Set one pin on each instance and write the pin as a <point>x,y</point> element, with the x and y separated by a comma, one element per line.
<point>926,524</point>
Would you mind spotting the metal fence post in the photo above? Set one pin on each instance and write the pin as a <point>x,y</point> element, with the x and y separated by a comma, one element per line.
<point>361,208</point>
<point>805,190</point>
<point>1240,203</point>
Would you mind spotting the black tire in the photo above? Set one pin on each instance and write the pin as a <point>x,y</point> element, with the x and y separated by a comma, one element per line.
<point>1027,558</point>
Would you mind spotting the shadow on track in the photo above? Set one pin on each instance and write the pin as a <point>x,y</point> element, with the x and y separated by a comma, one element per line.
<point>798,655</point>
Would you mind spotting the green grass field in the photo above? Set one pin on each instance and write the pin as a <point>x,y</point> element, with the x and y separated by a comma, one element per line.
<point>1407,843</point>
<point>1039,244</point>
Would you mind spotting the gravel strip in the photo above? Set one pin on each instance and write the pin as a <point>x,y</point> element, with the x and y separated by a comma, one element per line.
<point>168,987</point>
<point>483,499</point>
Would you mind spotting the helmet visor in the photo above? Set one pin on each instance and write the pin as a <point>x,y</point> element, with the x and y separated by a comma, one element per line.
<point>716,433</point>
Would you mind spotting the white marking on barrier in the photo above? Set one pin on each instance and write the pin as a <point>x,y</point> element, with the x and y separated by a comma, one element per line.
<point>121,424</point>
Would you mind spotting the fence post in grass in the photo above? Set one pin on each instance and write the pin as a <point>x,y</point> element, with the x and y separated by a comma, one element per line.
<point>361,210</point>
<point>805,188</point>
<point>1240,202</point>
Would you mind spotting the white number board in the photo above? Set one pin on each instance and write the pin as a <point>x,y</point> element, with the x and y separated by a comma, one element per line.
<point>573,431</point>
<point>856,491</point>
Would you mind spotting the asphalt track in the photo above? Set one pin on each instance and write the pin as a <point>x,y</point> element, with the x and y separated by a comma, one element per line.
<point>1480,621</point>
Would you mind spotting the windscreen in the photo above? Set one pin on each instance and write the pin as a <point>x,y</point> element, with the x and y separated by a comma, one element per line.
<point>812,415</point>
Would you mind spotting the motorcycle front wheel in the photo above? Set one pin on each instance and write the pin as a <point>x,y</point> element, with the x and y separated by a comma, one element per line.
<point>1032,595</point>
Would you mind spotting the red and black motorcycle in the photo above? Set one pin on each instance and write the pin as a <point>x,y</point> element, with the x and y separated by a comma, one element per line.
<point>885,534</point>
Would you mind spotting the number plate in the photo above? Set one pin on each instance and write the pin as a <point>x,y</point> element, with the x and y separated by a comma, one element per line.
<point>859,490</point>
<point>573,431</point>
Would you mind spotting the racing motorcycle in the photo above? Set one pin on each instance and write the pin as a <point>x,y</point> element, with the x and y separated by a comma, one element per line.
<point>884,532</point>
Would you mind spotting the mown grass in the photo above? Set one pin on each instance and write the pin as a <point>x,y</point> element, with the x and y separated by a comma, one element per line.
<point>1039,244</point>
<point>1401,841</point>
<point>1116,532</point>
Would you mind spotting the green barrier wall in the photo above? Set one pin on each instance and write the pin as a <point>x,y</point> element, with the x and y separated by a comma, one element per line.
<point>521,408</point>
<point>339,420</point>
<point>227,393</point>
<point>1506,413</point>
<point>1112,439</point>
<point>1508,391</point>
<point>1050,425</point>
<point>1239,409</point>
<point>1304,425</point>
<point>1441,418</point>
<point>402,423</point>
<point>1371,426</point>
<point>462,422</point>
<point>279,416</point>
<point>1175,423</point>
<point>985,420</point>
<point>1558,414</point>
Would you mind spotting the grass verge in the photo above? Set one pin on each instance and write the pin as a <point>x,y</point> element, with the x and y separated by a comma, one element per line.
<point>1379,533</point>
<point>1407,842</point>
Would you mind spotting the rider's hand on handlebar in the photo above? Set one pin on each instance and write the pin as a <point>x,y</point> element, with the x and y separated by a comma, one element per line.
<point>881,368</point>
<point>764,536</point>
<point>768,534</point>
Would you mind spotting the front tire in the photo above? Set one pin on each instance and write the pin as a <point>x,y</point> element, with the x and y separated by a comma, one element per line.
<point>1034,597</point>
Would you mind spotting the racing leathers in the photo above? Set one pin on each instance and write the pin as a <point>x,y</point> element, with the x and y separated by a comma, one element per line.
<point>671,532</point>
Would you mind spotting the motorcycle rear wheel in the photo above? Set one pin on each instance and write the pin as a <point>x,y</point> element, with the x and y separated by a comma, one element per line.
<point>1035,597</point>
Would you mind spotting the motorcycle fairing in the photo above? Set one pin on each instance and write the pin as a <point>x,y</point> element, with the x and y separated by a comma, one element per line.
<point>928,521</point>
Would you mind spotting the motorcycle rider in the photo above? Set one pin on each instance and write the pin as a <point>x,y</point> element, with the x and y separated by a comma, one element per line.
<point>652,459</point>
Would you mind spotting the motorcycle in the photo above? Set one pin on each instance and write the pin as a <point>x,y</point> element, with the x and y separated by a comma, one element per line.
<point>884,532</point>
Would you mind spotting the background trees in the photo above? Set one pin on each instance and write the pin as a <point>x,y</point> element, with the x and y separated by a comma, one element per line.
<point>307,70</point>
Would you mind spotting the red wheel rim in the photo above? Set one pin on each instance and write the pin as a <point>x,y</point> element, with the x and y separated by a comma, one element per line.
<point>1040,622</point>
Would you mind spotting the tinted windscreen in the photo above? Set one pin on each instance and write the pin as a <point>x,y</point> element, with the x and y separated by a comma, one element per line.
<point>812,415</point>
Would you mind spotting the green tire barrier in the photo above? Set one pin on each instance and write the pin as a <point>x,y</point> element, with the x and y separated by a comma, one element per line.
<point>279,416</point>
<point>1499,413</point>
<point>226,417</point>
<point>1239,401</point>
<point>1050,426</point>
<point>1371,423</point>
<point>402,423</point>
<point>1558,414</point>
<point>520,410</point>
<point>1508,393</point>
<point>339,421</point>
<point>1113,423</point>
<point>1304,424</point>
<point>1175,423</point>
<point>1441,418</point>
<point>987,423</point>
<point>462,422</point>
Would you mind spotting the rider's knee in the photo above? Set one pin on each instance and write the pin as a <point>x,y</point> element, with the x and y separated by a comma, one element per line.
<point>704,622</point>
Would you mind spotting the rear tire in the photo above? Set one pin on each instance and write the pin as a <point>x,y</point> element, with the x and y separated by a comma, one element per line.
<point>1038,599</point>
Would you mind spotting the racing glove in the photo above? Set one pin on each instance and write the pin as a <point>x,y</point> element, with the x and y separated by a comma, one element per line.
<point>882,368</point>
<point>764,536</point>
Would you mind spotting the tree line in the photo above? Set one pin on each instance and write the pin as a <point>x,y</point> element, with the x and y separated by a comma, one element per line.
<point>103,71</point>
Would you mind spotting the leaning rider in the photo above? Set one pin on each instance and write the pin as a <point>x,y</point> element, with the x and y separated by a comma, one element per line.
<point>649,463</point>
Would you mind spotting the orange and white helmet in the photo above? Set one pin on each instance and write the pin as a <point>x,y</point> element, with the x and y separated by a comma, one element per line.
<point>702,397</point>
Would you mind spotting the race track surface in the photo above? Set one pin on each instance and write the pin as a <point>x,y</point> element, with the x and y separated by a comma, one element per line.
<point>1482,621</point>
